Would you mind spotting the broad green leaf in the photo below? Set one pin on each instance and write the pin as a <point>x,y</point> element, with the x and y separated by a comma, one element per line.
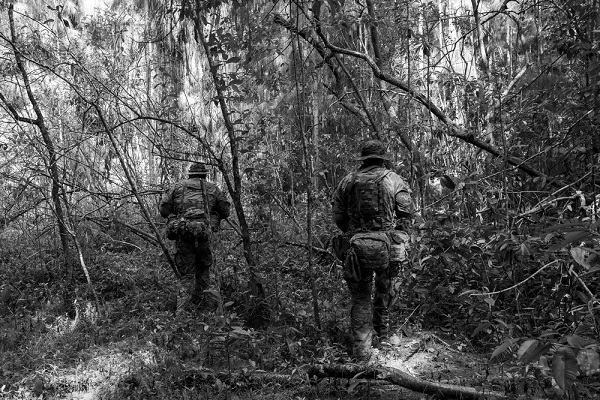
<point>354,384</point>
<point>238,330</point>
<point>594,269</point>
<point>535,354</point>
<point>503,347</point>
<point>564,367</point>
<point>579,255</point>
<point>482,326</point>
<point>571,237</point>
<point>575,236</point>
<point>526,346</point>
<point>565,227</point>
<point>292,346</point>
<point>576,341</point>
<point>490,301</point>
<point>588,361</point>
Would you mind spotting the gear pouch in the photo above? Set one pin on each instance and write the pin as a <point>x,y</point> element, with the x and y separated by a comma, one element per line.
<point>399,244</point>
<point>372,249</point>
<point>352,272</point>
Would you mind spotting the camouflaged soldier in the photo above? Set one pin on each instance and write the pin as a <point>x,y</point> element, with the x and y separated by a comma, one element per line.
<point>372,200</point>
<point>195,208</point>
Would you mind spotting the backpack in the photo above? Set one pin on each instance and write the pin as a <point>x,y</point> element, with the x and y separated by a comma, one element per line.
<point>366,198</point>
<point>192,222</point>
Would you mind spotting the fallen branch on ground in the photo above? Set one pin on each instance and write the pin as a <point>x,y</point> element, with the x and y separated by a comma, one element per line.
<point>401,378</point>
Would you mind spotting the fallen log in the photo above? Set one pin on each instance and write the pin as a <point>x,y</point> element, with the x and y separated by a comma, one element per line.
<point>401,378</point>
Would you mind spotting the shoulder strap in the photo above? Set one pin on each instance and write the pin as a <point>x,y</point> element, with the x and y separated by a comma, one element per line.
<point>182,198</point>
<point>380,188</point>
<point>349,192</point>
<point>205,195</point>
<point>352,182</point>
<point>208,218</point>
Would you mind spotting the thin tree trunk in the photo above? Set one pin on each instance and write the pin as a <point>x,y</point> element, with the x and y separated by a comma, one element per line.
<point>235,189</point>
<point>310,175</point>
<point>389,105</point>
<point>483,79</point>
<point>52,166</point>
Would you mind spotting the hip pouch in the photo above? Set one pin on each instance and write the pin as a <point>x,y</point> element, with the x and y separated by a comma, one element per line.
<point>197,226</point>
<point>372,249</point>
<point>173,227</point>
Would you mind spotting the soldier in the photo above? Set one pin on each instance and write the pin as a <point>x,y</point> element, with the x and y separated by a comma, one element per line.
<point>368,205</point>
<point>195,208</point>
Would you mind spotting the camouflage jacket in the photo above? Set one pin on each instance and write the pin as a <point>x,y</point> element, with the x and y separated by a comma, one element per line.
<point>397,201</point>
<point>171,203</point>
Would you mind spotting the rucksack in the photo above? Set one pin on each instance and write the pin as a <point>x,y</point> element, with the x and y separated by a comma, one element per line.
<point>366,198</point>
<point>192,222</point>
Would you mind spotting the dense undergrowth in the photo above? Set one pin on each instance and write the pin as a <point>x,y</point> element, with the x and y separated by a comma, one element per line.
<point>522,294</point>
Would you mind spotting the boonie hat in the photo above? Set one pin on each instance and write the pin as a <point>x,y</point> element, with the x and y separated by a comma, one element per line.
<point>198,169</point>
<point>373,149</point>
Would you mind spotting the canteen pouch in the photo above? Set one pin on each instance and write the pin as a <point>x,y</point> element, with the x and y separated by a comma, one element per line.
<point>398,246</point>
<point>352,272</point>
<point>340,245</point>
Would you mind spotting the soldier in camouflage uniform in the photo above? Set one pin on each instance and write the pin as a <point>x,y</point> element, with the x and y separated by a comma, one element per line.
<point>194,257</point>
<point>397,208</point>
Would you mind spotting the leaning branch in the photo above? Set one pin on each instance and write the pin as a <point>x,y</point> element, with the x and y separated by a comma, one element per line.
<point>348,371</point>
<point>327,50</point>
<point>337,69</point>
<point>134,189</point>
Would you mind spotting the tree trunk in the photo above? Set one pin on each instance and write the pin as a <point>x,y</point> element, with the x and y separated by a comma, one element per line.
<point>234,188</point>
<point>52,166</point>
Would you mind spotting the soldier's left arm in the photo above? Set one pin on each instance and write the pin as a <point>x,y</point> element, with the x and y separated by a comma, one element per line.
<point>404,207</point>
<point>222,205</point>
<point>340,207</point>
<point>166,204</point>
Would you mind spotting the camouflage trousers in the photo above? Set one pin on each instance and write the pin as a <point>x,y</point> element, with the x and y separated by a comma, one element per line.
<point>367,315</point>
<point>194,264</point>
